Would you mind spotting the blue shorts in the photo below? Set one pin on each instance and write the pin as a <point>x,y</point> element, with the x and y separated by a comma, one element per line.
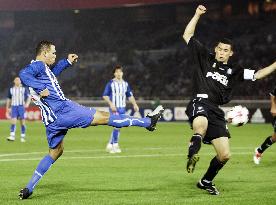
<point>120,111</point>
<point>18,112</point>
<point>72,115</point>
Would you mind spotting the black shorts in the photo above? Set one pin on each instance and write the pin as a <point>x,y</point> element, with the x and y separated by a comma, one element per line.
<point>217,126</point>
<point>274,123</point>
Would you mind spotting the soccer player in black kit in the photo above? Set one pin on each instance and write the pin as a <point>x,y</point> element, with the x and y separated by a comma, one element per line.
<point>271,139</point>
<point>213,79</point>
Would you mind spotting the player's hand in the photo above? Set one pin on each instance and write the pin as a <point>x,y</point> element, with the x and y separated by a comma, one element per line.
<point>26,105</point>
<point>73,58</point>
<point>200,10</point>
<point>44,93</point>
<point>136,108</point>
<point>113,108</point>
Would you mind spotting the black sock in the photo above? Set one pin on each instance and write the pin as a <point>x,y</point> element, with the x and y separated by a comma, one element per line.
<point>215,166</point>
<point>195,144</point>
<point>266,144</point>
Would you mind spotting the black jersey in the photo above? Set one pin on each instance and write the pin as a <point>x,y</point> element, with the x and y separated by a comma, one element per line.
<point>212,77</point>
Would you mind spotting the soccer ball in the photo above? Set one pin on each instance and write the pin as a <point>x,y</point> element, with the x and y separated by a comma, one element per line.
<point>237,116</point>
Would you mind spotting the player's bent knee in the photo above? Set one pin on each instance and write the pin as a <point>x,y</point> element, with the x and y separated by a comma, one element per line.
<point>100,118</point>
<point>224,157</point>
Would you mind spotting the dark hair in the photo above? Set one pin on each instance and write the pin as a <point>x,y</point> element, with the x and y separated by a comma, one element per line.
<point>117,67</point>
<point>42,46</point>
<point>227,41</point>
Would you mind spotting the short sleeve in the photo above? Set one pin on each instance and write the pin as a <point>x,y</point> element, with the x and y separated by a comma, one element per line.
<point>129,91</point>
<point>107,90</point>
<point>249,74</point>
<point>9,94</point>
<point>197,48</point>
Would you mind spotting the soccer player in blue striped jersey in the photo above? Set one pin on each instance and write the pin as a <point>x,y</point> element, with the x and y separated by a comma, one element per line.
<point>115,94</point>
<point>18,99</point>
<point>60,114</point>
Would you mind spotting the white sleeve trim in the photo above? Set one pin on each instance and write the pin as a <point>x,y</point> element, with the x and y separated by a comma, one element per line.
<point>249,74</point>
<point>69,62</point>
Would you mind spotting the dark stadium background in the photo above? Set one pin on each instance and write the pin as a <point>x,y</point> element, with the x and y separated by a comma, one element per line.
<point>145,37</point>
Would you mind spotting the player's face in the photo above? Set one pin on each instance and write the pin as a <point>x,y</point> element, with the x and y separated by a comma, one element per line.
<point>17,81</point>
<point>50,55</point>
<point>118,74</point>
<point>223,52</point>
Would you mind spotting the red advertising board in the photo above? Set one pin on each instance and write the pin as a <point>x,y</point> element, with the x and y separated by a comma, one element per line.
<point>32,113</point>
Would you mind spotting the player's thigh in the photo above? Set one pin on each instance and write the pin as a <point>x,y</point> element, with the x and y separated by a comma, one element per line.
<point>22,122</point>
<point>100,118</point>
<point>222,148</point>
<point>200,125</point>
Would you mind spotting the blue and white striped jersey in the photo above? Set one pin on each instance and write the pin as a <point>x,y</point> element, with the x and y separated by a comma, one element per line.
<point>18,95</point>
<point>38,76</point>
<point>118,91</point>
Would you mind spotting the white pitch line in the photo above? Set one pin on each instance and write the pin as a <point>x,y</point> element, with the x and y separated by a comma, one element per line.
<point>101,150</point>
<point>117,156</point>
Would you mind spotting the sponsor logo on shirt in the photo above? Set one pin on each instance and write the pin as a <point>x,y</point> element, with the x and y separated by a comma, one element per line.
<point>218,77</point>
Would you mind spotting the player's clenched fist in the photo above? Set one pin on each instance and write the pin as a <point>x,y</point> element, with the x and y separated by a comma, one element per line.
<point>73,58</point>
<point>201,10</point>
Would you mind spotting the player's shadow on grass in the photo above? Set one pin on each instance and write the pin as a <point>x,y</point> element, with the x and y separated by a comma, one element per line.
<point>53,189</point>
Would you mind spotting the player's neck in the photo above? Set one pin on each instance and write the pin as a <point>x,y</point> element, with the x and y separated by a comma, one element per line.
<point>119,80</point>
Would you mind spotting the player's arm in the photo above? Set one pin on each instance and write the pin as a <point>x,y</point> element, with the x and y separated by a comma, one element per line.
<point>265,71</point>
<point>133,102</point>
<point>190,28</point>
<point>131,98</point>
<point>8,105</point>
<point>27,99</point>
<point>106,94</point>
<point>64,63</point>
<point>28,77</point>
<point>110,103</point>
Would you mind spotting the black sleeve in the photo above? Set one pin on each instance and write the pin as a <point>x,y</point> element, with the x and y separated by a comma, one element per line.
<point>197,48</point>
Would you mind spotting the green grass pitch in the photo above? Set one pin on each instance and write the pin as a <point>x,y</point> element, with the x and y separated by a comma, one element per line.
<point>150,170</point>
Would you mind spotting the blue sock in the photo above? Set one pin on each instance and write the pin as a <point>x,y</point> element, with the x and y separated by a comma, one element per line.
<point>41,169</point>
<point>12,129</point>
<point>115,136</point>
<point>23,129</point>
<point>126,121</point>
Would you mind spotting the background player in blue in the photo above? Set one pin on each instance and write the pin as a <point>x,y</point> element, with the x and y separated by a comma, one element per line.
<point>214,78</point>
<point>59,113</point>
<point>18,99</point>
<point>115,94</point>
<point>270,139</point>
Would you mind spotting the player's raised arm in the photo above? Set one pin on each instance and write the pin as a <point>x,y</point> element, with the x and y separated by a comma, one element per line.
<point>65,63</point>
<point>190,28</point>
<point>265,71</point>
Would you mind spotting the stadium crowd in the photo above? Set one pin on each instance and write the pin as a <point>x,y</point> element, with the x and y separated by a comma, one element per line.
<point>152,52</point>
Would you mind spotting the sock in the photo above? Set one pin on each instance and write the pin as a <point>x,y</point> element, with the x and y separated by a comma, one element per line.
<point>23,130</point>
<point>12,129</point>
<point>215,166</point>
<point>266,144</point>
<point>114,136</point>
<point>126,121</point>
<point>41,169</point>
<point>195,144</point>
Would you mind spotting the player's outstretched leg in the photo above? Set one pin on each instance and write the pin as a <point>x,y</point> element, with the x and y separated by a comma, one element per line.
<point>149,122</point>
